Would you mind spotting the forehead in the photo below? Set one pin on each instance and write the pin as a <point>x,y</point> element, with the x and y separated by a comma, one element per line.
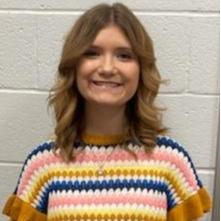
<point>112,35</point>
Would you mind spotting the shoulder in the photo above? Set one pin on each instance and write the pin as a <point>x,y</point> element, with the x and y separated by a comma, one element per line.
<point>34,165</point>
<point>42,149</point>
<point>32,186</point>
<point>41,155</point>
<point>171,145</point>
<point>185,191</point>
<point>177,158</point>
<point>174,153</point>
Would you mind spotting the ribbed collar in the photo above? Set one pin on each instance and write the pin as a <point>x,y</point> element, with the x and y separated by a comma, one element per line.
<point>104,139</point>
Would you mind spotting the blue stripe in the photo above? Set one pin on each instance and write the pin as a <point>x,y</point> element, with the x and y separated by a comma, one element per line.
<point>170,200</point>
<point>41,148</point>
<point>43,203</point>
<point>111,184</point>
<point>175,145</point>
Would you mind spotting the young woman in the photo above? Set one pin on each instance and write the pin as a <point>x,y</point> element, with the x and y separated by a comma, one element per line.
<point>110,158</point>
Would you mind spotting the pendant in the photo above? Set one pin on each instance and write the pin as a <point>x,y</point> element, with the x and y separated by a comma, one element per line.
<point>100,171</point>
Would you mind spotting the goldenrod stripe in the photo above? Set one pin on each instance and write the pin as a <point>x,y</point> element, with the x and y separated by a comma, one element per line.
<point>183,212</point>
<point>19,210</point>
<point>117,211</point>
<point>177,183</point>
<point>44,177</point>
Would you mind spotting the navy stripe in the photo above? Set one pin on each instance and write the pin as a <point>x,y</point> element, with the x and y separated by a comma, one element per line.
<point>41,148</point>
<point>175,145</point>
<point>43,203</point>
<point>111,184</point>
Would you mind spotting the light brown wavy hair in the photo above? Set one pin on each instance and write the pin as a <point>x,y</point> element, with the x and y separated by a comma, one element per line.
<point>145,120</point>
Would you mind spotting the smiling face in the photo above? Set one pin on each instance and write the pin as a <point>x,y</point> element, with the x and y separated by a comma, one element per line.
<point>108,73</point>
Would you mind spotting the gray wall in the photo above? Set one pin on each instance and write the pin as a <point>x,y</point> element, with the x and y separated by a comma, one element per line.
<point>186,38</point>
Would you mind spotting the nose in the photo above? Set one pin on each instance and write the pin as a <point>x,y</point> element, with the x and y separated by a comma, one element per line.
<point>107,65</point>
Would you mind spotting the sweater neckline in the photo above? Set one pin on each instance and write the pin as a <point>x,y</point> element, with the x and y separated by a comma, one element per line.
<point>105,139</point>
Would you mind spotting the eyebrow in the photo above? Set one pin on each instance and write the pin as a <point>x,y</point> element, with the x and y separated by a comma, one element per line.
<point>118,48</point>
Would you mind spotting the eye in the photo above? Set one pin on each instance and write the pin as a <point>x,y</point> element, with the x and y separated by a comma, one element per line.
<point>91,54</point>
<point>125,55</point>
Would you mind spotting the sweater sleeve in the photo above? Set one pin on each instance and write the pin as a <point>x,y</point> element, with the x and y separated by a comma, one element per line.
<point>187,198</point>
<point>30,198</point>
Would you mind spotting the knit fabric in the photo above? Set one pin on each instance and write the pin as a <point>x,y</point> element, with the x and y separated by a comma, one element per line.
<point>159,186</point>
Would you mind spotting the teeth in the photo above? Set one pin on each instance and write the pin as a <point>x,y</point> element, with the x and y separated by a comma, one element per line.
<point>109,84</point>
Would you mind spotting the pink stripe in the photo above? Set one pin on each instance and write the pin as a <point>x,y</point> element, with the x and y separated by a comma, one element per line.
<point>181,165</point>
<point>154,200</point>
<point>120,156</point>
<point>33,166</point>
<point>166,156</point>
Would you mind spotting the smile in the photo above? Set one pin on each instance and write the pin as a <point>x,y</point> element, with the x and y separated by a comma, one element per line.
<point>106,84</point>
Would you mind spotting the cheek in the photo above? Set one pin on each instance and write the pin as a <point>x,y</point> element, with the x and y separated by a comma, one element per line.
<point>132,81</point>
<point>135,76</point>
<point>80,82</point>
<point>84,71</point>
<point>87,66</point>
<point>135,84</point>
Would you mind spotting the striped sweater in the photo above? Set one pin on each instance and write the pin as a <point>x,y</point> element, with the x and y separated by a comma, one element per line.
<point>159,186</point>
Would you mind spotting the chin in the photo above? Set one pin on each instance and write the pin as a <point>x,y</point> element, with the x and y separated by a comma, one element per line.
<point>109,103</point>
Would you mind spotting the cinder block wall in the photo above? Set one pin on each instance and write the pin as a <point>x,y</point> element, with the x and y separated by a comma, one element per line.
<point>185,34</point>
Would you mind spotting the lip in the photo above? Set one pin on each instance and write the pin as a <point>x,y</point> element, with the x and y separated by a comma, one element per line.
<point>115,90</point>
<point>111,82</point>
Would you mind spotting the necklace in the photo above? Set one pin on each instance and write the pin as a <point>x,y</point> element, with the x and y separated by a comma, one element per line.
<point>102,141</point>
<point>102,163</point>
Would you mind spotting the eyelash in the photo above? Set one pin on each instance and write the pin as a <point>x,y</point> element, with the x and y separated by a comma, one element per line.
<point>95,54</point>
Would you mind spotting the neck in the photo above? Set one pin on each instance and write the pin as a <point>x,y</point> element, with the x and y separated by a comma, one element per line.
<point>105,121</point>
